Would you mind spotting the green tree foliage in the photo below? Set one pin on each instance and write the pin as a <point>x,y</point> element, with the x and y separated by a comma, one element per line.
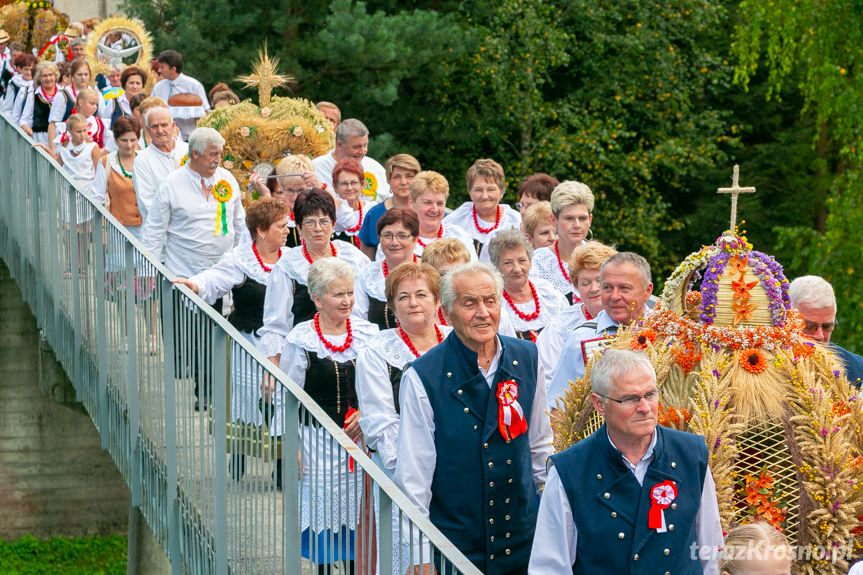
<point>818,47</point>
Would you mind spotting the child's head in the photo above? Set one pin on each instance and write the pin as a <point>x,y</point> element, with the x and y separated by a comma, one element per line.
<point>445,254</point>
<point>76,127</point>
<point>88,102</point>
<point>755,549</point>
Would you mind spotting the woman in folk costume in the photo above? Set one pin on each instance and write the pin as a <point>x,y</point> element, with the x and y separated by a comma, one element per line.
<point>429,192</point>
<point>530,303</point>
<point>289,302</point>
<point>37,106</point>
<point>572,212</point>
<point>19,86</point>
<point>348,181</point>
<point>244,271</point>
<point>132,80</point>
<point>413,293</point>
<point>320,356</point>
<point>483,215</point>
<point>397,230</point>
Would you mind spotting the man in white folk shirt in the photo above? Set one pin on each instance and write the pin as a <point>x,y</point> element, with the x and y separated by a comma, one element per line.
<point>625,288</point>
<point>196,217</point>
<point>475,475</point>
<point>352,142</point>
<point>184,94</point>
<point>633,497</point>
<point>156,162</point>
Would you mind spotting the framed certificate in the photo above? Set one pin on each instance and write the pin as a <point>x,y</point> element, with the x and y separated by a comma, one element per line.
<point>591,347</point>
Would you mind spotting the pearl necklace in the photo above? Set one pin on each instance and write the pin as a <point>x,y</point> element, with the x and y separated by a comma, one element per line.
<point>524,316</point>
<point>486,230</point>
<point>409,343</point>
<point>327,344</point>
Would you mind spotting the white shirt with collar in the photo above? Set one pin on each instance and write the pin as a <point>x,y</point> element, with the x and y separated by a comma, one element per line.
<point>374,172</point>
<point>151,167</point>
<point>556,538</point>
<point>417,455</point>
<point>186,117</point>
<point>182,221</point>
<point>549,342</point>
<point>462,216</point>
<point>572,367</point>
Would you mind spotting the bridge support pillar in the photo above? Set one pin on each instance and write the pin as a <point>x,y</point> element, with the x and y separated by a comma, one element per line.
<point>144,555</point>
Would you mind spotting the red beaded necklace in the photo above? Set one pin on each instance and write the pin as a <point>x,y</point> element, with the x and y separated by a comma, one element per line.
<point>291,215</point>
<point>439,234</point>
<point>586,313</point>
<point>386,268</point>
<point>440,317</point>
<point>357,227</point>
<point>266,268</point>
<point>524,316</point>
<point>410,344</point>
<point>309,257</point>
<point>486,230</point>
<point>327,344</point>
<point>560,262</point>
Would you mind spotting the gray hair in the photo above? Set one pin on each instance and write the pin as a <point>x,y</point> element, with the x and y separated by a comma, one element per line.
<point>571,193</point>
<point>629,258</point>
<point>324,271</point>
<point>611,365</point>
<point>814,291</point>
<point>507,240</point>
<point>350,128</point>
<point>153,110</point>
<point>203,138</point>
<point>447,284</point>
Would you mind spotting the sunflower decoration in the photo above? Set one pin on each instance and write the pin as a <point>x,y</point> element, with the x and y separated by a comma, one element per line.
<point>258,136</point>
<point>34,24</point>
<point>783,425</point>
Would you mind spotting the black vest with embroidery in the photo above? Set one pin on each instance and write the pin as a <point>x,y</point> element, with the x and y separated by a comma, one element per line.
<point>41,112</point>
<point>381,314</point>
<point>294,238</point>
<point>303,307</point>
<point>248,313</point>
<point>332,385</point>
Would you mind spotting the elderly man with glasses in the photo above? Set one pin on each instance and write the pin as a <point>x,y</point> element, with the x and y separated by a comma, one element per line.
<point>813,297</point>
<point>631,495</point>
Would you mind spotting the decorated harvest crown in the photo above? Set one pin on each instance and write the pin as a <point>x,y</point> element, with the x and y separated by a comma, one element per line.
<point>782,424</point>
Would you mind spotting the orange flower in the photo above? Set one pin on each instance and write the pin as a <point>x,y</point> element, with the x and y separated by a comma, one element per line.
<point>839,409</point>
<point>643,338</point>
<point>736,263</point>
<point>687,359</point>
<point>803,349</point>
<point>752,360</point>
<point>741,288</point>
<point>744,310</point>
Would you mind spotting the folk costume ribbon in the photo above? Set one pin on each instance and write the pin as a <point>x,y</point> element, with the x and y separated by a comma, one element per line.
<point>56,43</point>
<point>222,192</point>
<point>510,416</point>
<point>661,496</point>
<point>348,415</point>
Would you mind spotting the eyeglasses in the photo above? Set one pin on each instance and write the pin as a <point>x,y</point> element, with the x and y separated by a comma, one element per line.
<point>312,224</point>
<point>291,191</point>
<point>633,401</point>
<point>826,327</point>
<point>351,184</point>
<point>388,237</point>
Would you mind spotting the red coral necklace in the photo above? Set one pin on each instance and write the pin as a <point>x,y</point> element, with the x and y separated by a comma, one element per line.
<point>410,344</point>
<point>482,229</point>
<point>524,316</point>
<point>327,344</point>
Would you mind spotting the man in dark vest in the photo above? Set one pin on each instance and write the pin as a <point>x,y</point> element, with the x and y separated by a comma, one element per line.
<point>632,497</point>
<point>474,434</point>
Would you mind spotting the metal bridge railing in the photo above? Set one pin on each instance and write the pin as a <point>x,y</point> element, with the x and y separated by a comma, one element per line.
<point>135,346</point>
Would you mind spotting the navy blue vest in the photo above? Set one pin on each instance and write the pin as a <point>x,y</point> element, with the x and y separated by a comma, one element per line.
<point>610,508</point>
<point>483,496</point>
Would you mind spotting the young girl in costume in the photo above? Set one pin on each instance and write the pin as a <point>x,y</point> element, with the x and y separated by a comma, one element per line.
<point>755,549</point>
<point>98,130</point>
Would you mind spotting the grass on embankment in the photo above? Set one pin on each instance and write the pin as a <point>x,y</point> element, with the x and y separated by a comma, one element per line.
<point>85,556</point>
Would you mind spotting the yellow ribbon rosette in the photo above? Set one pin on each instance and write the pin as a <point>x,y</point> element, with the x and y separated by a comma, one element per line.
<point>370,185</point>
<point>222,192</point>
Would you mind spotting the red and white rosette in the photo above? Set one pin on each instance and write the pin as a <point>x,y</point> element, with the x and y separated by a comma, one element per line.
<point>510,416</point>
<point>661,496</point>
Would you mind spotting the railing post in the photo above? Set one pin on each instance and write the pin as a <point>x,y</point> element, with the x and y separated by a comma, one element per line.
<point>384,523</point>
<point>56,264</point>
<point>221,371</point>
<point>290,489</point>
<point>166,303</point>
<point>101,335</point>
<point>132,377</point>
<point>36,202</point>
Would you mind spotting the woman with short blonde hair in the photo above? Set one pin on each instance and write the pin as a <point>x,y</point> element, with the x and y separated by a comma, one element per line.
<point>429,192</point>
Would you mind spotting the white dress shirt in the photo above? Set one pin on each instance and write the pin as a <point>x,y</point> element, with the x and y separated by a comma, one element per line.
<point>556,538</point>
<point>182,221</point>
<point>20,100</point>
<point>293,267</point>
<point>417,455</point>
<point>151,167</point>
<point>186,117</point>
<point>376,177</point>
<point>547,266</point>
<point>550,340</point>
<point>462,216</point>
<point>450,230</point>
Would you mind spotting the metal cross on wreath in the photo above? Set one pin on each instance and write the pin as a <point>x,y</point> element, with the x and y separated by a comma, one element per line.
<point>734,190</point>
